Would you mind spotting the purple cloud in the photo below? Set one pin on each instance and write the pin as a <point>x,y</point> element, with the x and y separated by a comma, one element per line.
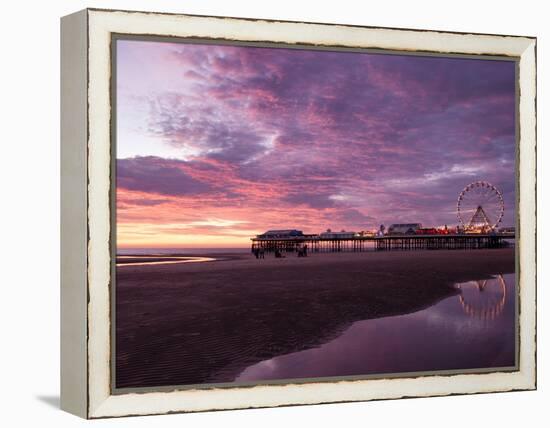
<point>379,138</point>
<point>156,175</point>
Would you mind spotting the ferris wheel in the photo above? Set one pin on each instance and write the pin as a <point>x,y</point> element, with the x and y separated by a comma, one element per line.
<point>480,207</point>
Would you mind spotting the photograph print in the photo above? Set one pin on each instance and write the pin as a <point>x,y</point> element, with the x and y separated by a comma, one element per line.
<point>289,214</point>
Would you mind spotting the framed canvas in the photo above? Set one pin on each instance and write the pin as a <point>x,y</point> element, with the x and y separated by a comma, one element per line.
<point>262,213</point>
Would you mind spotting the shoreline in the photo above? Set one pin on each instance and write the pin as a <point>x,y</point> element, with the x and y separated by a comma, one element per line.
<point>218,255</point>
<point>145,260</point>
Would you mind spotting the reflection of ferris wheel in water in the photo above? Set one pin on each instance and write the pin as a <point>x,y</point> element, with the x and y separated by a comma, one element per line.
<point>480,207</point>
<point>483,299</point>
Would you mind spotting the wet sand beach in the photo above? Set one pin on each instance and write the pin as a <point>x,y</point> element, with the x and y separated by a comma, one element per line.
<point>196,323</point>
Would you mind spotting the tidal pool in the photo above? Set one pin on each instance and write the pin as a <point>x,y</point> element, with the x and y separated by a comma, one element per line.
<point>475,329</point>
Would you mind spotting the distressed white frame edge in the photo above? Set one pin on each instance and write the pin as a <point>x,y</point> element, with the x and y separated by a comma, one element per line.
<point>74,235</point>
<point>100,26</point>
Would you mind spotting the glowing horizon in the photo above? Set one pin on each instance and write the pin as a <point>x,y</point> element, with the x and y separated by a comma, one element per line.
<point>216,144</point>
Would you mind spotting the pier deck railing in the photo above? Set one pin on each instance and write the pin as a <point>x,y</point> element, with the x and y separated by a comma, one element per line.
<point>318,244</point>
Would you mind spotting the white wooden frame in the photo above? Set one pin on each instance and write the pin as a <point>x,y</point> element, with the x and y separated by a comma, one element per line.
<point>86,109</point>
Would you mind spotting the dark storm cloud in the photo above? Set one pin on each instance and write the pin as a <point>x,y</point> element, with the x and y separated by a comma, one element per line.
<point>156,175</point>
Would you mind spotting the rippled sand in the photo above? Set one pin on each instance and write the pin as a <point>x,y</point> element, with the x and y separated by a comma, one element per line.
<point>195,323</point>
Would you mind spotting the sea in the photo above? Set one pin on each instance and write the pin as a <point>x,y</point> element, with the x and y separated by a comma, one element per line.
<point>179,251</point>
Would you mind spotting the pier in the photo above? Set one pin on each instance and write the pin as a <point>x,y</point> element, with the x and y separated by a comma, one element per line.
<point>318,244</point>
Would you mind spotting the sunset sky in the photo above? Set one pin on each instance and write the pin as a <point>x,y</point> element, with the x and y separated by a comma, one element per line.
<point>218,143</point>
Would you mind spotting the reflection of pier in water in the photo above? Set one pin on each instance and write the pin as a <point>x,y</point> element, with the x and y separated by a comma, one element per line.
<point>485,309</point>
<point>318,244</point>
